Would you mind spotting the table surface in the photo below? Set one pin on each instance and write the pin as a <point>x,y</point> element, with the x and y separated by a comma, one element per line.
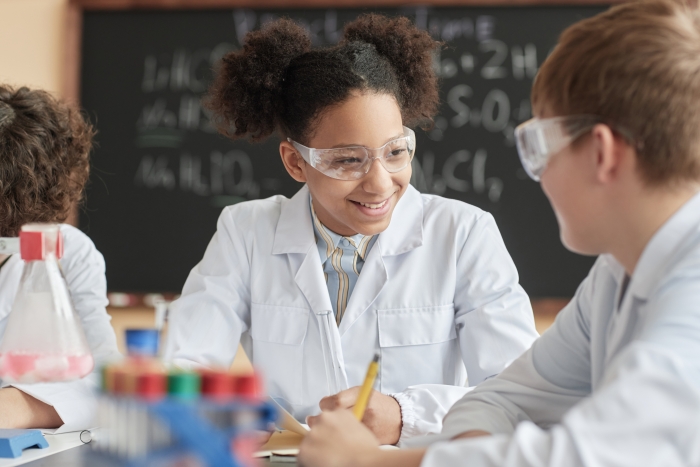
<point>58,443</point>
<point>76,457</point>
<point>69,458</point>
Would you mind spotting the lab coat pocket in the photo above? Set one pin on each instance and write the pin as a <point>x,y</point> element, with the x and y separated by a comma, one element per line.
<point>278,334</point>
<point>418,346</point>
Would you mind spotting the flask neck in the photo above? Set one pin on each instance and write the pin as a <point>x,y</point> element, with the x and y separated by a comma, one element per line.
<point>37,241</point>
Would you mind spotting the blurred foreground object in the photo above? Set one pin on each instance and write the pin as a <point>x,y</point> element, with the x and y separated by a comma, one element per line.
<point>44,340</point>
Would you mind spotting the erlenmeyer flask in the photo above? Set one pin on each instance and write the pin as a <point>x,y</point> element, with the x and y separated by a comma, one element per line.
<point>44,340</point>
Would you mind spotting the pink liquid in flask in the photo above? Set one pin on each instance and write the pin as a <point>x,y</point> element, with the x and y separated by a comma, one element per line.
<point>28,367</point>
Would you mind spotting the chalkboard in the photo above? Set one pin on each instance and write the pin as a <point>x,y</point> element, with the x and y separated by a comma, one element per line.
<point>161,175</point>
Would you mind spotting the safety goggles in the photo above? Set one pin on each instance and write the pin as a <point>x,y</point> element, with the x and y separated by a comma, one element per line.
<point>538,139</point>
<point>353,162</point>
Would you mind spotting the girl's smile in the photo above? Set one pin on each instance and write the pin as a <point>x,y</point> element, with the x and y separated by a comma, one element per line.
<point>348,207</point>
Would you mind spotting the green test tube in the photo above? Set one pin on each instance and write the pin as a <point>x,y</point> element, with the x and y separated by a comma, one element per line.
<point>184,385</point>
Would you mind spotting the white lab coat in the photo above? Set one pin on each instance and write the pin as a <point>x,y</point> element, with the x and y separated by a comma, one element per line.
<point>84,270</point>
<point>608,384</point>
<point>438,295</point>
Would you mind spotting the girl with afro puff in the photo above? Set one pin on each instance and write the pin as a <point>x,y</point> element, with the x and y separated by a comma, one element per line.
<point>357,262</point>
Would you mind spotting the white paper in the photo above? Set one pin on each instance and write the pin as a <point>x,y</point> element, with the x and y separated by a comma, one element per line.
<point>288,422</point>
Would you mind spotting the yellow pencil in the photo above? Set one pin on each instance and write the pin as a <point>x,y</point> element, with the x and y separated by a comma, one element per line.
<point>366,389</point>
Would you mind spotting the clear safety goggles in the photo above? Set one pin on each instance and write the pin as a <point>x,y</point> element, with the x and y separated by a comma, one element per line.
<point>538,139</point>
<point>353,162</point>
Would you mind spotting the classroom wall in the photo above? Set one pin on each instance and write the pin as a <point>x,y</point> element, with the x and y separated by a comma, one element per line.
<point>32,43</point>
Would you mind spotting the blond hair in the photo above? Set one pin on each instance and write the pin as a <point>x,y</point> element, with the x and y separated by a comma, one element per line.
<point>637,67</point>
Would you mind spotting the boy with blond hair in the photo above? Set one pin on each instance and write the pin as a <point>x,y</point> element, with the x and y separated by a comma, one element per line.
<point>616,380</point>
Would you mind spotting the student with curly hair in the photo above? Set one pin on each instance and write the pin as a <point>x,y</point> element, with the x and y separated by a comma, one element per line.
<point>616,380</point>
<point>44,164</point>
<point>358,261</point>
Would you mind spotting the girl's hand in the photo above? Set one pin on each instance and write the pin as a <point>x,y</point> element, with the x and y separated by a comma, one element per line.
<point>337,439</point>
<point>382,416</point>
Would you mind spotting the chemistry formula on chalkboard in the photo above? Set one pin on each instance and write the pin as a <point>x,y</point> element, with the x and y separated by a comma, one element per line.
<point>161,173</point>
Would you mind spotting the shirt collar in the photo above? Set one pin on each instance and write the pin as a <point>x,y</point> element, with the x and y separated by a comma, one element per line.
<point>327,240</point>
<point>295,232</point>
<point>665,247</point>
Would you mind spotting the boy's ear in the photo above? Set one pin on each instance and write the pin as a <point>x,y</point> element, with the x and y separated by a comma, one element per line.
<point>611,152</point>
<point>292,161</point>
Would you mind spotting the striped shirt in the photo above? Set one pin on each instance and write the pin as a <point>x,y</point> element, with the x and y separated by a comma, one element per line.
<point>342,259</point>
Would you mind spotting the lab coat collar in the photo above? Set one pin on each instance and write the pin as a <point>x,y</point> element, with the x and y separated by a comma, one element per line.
<point>295,232</point>
<point>405,231</point>
<point>663,246</point>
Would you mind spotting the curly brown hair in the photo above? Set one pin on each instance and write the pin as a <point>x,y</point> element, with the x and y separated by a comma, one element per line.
<point>44,158</point>
<point>277,82</point>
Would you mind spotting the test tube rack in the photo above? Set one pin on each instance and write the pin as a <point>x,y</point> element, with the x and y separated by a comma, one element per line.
<point>211,427</point>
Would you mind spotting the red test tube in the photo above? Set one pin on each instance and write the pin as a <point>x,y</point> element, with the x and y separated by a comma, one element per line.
<point>151,387</point>
<point>217,385</point>
<point>248,387</point>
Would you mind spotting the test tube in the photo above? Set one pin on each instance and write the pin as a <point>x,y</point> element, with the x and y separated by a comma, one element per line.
<point>248,387</point>
<point>117,415</point>
<point>246,418</point>
<point>247,390</point>
<point>151,388</point>
<point>217,390</point>
<point>103,409</point>
<point>107,379</point>
<point>132,429</point>
<point>184,386</point>
<point>217,385</point>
